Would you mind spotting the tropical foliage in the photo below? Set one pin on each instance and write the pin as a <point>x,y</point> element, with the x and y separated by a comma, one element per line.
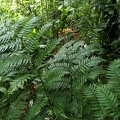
<point>58,61</point>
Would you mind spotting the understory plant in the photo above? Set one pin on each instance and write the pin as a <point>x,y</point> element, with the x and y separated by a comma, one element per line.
<point>78,87</point>
<point>37,83</point>
<point>53,65</point>
<point>23,53</point>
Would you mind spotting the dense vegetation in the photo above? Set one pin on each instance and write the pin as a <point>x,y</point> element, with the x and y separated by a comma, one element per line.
<point>59,60</point>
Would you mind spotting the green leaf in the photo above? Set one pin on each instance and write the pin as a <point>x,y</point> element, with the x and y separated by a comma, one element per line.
<point>3,90</point>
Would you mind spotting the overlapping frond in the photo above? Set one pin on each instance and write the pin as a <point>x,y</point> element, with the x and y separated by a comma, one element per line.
<point>22,53</point>
<point>113,75</point>
<point>45,51</point>
<point>71,80</point>
<point>20,81</point>
<point>28,27</point>
<point>14,61</point>
<point>37,106</point>
<point>14,45</point>
<point>69,71</point>
<point>95,108</point>
<point>108,100</point>
<point>18,107</point>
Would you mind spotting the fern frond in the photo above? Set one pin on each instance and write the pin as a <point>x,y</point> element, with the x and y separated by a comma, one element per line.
<point>17,27</point>
<point>114,70</point>
<point>7,65</point>
<point>3,30</point>
<point>87,63</point>
<point>14,45</point>
<point>37,106</point>
<point>45,27</point>
<point>107,99</point>
<point>75,50</point>
<point>83,71</point>
<point>4,103</point>
<point>44,53</point>
<point>113,75</point>
<point>19,82</point>
<point>18,107</point>
<point>7,36</point>
<point>5,27</point>
<point>71,69</point>
<point>32,42</point>
<point>54,76</point>
<point>96,110</point>
<point>28,27</point>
